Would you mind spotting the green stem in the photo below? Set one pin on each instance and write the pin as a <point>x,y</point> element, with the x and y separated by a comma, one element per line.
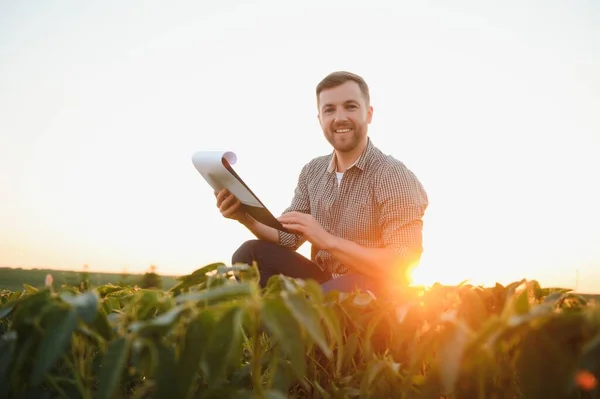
<point>315,362</point>
<point>80,385</point>
<point>257,358</point>
<point>54,384</point>
<point>482,385</point>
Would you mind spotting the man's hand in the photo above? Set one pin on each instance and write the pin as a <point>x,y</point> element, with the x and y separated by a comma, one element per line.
<point>306,226</point>
<point>229,206</point>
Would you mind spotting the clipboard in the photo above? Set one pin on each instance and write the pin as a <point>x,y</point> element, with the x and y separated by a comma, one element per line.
<point>216,168</point>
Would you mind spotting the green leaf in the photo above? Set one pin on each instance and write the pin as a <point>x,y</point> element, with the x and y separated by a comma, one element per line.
<point>59,324</point>
<point>29,307</point>
<point>521,305</point>
<point>225,348</point>
<point>554,297</point>
<point>8,343</point>
<point>20,368</point>
<point>274,286</point>
<point>111,304</point>
<point>145,355</point>
<point>166,374</point>
<point>517,301</point>
<point>158,325</point>
<point>201,273</point>
<point>5,310</point>
<point>322,392</point>
<point>372,372</point>
<point>314,290</point>
<point>113,364</point>
<point>236,268</point>
<point>194,346</point>
<point>307,317</point>
<point>332,321</point>
<point>102,326</point>
<point>472,309</point>
<point>450,355</point>
<point>283,377</point>
<point>373,324</point>
<point>536,312</point>
<point>109,289</point>
<point>221,392</point>
<point>86,304</point>
<point>272,394</point>
<point>349,351</point>
<point>197,277</point>
<point>146,303</point>
<point>590,355</point>
<point>363,299</point>
<point>30,289</point>
<point>282,325</point>
<point>548,354</point>
<point>223,292</point>
<point>538,292</point>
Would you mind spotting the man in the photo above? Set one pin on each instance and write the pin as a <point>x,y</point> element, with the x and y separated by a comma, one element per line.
<point>360,209</point>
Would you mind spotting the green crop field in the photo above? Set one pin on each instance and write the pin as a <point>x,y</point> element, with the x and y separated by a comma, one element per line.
<point>211,336</point>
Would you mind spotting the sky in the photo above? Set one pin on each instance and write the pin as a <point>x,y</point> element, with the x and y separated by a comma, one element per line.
<point>493,105</point>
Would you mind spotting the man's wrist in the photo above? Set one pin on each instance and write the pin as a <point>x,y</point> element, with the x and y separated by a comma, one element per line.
<point>246,220</point>
<point>331,243</point>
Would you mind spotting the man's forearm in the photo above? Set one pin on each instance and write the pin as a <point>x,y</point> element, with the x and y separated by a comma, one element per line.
<point>376,262</point>
<point>261,231</point>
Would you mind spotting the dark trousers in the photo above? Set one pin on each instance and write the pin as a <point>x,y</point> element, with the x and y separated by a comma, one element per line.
<point>273,259</point>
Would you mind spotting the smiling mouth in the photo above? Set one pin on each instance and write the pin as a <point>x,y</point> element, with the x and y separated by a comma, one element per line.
<point>342,130</point>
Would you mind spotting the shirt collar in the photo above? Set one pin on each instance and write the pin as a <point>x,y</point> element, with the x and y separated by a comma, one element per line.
<point>360,163</point>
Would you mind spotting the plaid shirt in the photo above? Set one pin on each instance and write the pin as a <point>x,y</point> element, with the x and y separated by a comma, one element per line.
<point>379,204</point>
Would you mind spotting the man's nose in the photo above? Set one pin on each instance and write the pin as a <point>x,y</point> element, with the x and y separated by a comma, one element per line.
<point>340,115</point>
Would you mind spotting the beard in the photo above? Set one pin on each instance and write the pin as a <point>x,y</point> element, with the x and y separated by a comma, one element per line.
<point>345,142</point>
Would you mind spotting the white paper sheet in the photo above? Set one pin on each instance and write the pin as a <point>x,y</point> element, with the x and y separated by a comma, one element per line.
<point>211,167</point>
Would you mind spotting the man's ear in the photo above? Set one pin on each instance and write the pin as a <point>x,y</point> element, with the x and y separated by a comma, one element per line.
<point>370,114</point>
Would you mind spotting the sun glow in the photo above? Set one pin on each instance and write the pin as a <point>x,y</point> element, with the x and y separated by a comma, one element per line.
<point>425,275</point>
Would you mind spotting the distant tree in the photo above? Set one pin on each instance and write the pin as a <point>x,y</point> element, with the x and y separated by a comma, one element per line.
<point>124,275</point>
<point>151,279</point>
<point>84,284</point>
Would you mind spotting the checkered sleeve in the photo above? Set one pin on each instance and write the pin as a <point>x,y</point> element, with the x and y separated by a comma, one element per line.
<point>402,203</point>
<point>300,203</point>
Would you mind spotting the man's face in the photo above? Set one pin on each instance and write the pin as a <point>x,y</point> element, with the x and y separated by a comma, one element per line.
<point>344,116</point>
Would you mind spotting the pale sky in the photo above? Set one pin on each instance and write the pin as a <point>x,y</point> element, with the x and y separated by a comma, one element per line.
<point>494,105</point>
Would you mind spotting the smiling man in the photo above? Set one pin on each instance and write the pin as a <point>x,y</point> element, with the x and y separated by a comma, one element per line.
<point>360,209</point>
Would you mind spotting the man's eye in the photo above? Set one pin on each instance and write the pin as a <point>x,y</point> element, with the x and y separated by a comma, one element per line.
<point>328,110</point>
<point>351,106</point>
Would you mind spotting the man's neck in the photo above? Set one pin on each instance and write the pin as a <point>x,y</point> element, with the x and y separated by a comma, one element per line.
<point>343,160</point>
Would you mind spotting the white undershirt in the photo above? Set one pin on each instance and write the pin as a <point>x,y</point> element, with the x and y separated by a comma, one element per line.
<point>339,177</point>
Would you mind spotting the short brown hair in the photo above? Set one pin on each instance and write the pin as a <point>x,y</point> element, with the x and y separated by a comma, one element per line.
<point>337,78</point>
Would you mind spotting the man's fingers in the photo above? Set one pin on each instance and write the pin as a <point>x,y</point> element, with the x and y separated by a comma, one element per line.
<point>221,193</point>
<point>287,218</point>
<point>219,197</point>
<point>294,217</point>
<point>228,202</point>
<point>231,209</point>
<point>297,228</point>
<point>290,220</point>
<point>291,214</point>
<point>222,196</point>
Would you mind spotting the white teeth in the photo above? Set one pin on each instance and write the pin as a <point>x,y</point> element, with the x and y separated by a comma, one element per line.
<point>342,130</point>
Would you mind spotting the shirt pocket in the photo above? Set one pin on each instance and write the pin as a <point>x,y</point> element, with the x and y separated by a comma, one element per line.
<point>360,221</point>
<point>322,211</point>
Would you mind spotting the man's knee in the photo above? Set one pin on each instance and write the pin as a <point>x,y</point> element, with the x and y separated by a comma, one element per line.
<point>248,251</point>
